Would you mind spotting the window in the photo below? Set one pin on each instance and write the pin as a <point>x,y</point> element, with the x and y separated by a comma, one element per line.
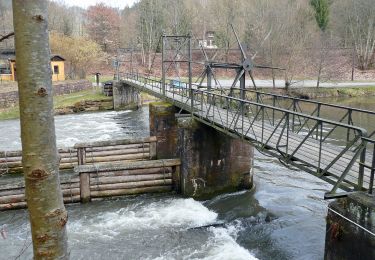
<point>55,69</point>
<point>4,70</point>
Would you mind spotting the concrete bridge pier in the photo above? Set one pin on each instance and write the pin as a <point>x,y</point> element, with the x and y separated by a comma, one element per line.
<point>350,231</point>
<point>125,97</point>
<point>211,162</point>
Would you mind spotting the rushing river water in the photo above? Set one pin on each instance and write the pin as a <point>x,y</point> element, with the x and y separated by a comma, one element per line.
<point>283,218</point>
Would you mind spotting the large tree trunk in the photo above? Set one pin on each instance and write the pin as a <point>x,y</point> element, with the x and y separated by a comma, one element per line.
<point>40,161</point>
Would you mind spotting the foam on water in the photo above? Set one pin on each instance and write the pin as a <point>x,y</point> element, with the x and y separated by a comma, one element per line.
<point>221,245</point>
<point>180,216</point>
<point>71,129</point>
<point>180,213</point>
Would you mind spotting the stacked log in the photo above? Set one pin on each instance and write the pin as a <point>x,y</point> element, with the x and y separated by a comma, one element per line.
<point>95,152</point>
<point>117,179</point>
<point>117,150</point>
<point>101,169</point>
<point>12,190</point>
<point>100,181</point>
<point>11,161</point>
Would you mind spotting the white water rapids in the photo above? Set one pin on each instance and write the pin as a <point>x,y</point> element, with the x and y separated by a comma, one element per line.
<point>284,218</point>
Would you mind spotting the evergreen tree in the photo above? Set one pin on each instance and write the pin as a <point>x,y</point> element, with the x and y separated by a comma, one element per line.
<point>321,9</point>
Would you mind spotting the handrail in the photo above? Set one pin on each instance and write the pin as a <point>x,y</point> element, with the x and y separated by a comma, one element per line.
<point>205,103</point>
<point>360,129</point>
<point>310,101</point>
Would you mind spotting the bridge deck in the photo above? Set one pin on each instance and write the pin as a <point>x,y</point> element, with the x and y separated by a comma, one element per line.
<point>332,163</point>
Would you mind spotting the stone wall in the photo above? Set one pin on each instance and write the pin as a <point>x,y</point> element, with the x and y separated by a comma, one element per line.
<point>10,98</point>
<point>125,97</point>
<point>67,87</point>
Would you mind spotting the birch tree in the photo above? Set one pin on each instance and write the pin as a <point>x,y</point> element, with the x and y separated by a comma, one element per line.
<point>48,216</point>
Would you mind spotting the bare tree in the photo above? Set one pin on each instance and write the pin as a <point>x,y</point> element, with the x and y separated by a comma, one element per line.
<point>151,25</point>
<point>361,22</point>
<point>48,216</point>
<point>7,36</point>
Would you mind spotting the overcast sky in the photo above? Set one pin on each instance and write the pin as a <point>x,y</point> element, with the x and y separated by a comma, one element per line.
<point>85,3</point>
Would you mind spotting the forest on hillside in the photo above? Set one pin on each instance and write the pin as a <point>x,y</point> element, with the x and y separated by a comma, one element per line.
<point>325,39</point>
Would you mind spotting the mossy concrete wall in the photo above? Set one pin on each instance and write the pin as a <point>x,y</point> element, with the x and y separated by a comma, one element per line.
<point>344,239</point>
<point>163,125</point>
<point>211,161</point>
<point>125,97</point>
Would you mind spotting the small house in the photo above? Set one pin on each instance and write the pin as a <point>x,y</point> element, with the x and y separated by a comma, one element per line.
<point>8,69</point>
<point>208,41</point>
<point>58,67</point>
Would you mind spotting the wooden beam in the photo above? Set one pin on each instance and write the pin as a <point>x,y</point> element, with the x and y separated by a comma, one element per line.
<point>118,166</point>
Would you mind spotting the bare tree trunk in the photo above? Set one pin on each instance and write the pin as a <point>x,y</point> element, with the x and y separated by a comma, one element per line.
<point>353,63</point>
<point>40,161</point>
<point>319,75</point>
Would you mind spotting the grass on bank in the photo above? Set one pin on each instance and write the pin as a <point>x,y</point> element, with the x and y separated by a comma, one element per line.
<point>71,99</point>
<point>59,102</point>
<point>102,78</point>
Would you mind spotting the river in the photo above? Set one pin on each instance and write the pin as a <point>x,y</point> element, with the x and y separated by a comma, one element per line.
<point>282,218</point>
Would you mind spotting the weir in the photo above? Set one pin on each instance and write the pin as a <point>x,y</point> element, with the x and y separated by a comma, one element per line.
<point>101,169</point>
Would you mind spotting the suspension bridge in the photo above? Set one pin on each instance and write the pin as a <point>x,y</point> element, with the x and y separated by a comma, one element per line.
<point>339,152</point>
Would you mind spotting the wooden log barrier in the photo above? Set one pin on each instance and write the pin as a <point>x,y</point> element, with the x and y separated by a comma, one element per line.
<point>101,180</point>
<point>116,150</point>
<point>124,178</point>
<point>89,153</point>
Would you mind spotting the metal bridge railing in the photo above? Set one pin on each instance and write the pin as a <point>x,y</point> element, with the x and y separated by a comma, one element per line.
<point>271,129</point>
<point>370,162</point>
<point>340,113</point>
<point>334,151</point>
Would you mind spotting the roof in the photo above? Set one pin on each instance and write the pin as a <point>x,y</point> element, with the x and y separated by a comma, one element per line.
<point>56,57</point>
<point>10,54</point>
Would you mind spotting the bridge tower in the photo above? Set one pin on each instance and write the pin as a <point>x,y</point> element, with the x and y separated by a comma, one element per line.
<point>212,162</point>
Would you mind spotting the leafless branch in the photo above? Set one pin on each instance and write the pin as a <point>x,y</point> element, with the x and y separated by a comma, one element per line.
<point>2,38</point>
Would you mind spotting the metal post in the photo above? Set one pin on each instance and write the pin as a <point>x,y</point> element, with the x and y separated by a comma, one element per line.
<point>209,77</point>
<point>273,110</point>
<point>242,97</point>
<point>350,122</point>
<point>370,190</point>
<point>295,110</point>
<point>162,64</point>
<point>362,160</point>
<point>190,78</point>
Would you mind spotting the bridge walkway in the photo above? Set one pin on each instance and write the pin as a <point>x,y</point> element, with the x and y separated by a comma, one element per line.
<point>332,151</point>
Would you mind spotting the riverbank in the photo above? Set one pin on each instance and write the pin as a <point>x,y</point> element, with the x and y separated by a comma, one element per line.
<point>87,100</point>
<point>315,93</point>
